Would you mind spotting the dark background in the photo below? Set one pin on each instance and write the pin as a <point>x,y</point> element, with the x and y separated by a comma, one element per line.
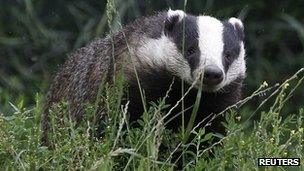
<point>37,35</point>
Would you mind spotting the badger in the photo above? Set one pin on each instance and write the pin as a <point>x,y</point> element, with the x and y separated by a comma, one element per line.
<point>167,49</point>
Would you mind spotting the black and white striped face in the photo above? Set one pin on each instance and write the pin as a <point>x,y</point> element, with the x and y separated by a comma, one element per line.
<point>212,47</point>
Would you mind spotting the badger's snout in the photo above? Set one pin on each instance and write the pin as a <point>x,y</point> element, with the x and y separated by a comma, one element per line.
<point>213,75</point>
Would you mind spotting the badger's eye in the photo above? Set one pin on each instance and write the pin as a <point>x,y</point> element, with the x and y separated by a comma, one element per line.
<point>191,50</point>
<point>228,56</point>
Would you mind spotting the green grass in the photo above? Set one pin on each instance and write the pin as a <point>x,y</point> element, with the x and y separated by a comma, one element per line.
<point>274,134</point>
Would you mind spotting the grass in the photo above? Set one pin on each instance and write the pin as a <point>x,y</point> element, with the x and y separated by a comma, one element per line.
<point>122,147</point>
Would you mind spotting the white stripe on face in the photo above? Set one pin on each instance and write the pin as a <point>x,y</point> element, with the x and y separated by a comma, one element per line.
<point>210,41</point>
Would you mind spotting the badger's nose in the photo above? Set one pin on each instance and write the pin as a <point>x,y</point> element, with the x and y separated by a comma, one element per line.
<point>213,75</point>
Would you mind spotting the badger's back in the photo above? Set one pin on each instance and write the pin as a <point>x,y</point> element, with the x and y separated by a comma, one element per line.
<point>79,78</point>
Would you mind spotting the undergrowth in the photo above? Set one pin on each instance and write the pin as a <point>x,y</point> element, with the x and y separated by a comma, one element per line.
<point>123,147</point>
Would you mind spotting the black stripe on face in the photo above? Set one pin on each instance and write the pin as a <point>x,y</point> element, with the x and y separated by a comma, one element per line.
<point>191,49</point>
<point>232,44</point>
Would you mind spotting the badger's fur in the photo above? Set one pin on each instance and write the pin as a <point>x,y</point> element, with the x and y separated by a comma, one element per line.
<point>154,45</point>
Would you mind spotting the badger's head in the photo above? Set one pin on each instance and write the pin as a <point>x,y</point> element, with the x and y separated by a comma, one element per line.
<point>212,47</point>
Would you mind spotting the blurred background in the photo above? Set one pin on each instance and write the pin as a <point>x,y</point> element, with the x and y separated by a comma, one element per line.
<point>36,36</point>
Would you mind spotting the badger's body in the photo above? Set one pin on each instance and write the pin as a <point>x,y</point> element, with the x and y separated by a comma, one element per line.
<point>154,46</point>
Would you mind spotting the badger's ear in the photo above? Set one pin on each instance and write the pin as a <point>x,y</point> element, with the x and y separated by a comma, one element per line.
<point>172,19</point>
<point>238,27</point>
